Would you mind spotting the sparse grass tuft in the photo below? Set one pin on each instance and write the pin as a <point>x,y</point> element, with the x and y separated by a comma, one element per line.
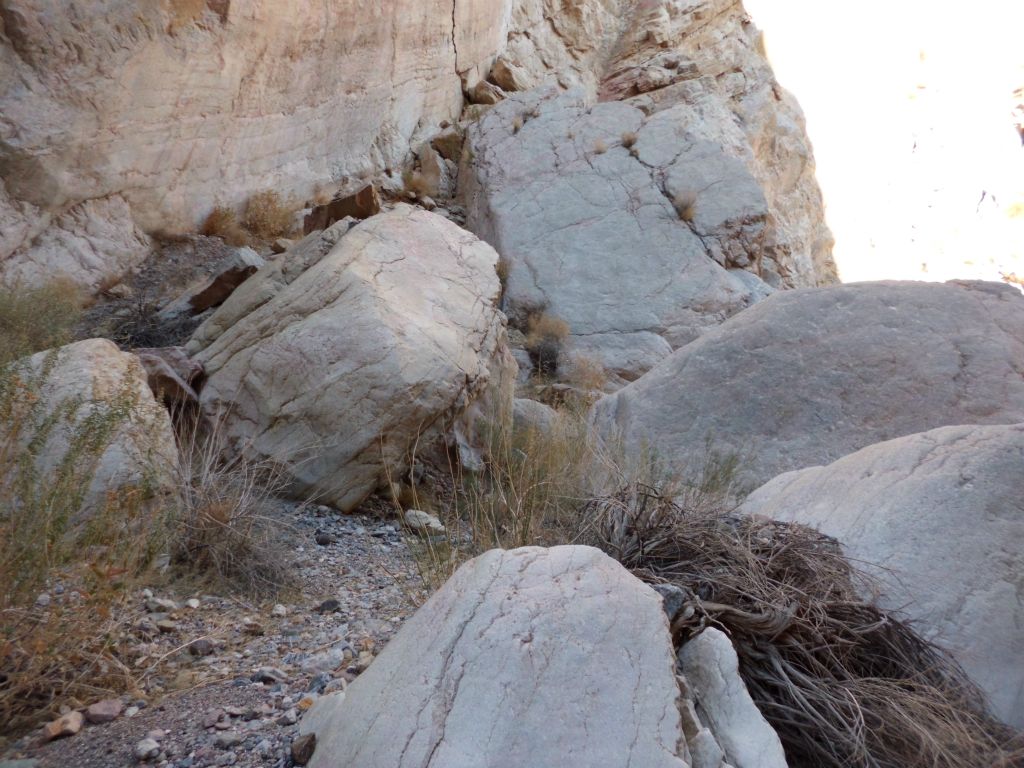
<point>629,138</point>
<point>685,203</point>
<point>34,319</point>
<point>545,336</point>
<point>227,533</point>
<point>586,375</point>
<point>600,147</point>
<point>267,216</point>
<point>517,124</point>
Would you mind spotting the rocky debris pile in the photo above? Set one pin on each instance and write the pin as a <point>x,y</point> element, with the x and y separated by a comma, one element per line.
<point>386,342</point>
<point>808,376</point>
<point>531,655</point>
<point>938,519</point>
<point>250,673</point>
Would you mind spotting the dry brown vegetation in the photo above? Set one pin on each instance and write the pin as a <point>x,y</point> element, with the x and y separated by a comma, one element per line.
<point>685,203</point>
<point>268,216</point>
<point>629,138</point>
<point>545,335</point>
<point>414,181</point>
<point>223,222</point>
<point>600,147</point>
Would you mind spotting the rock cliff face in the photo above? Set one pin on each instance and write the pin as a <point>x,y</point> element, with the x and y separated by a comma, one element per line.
<point>154,112</point>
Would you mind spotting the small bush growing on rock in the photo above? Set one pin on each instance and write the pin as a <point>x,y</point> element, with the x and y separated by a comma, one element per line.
<point>600,147</point>
<point>222,222</point>
<point>629,138</point>
<point>545,336</point>
<point>685,203</point>
<point>267,216</point>
<point>34,319</point>
<point>586,375</point>
<point>517,124</point>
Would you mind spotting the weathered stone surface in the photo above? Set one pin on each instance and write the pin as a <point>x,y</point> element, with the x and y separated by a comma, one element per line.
<point>359,205</point>
<point>92,244</point>
<point>711,668</point>
<point>388,341</point>
<point>228,274</point>
<point>531,415</point>
<point>104,711</point>
<point>807,376</point>
<point>177,105</point>
<point>96,374</point>
<point>938,519</point>
<point>276,275</point>
<point>523,658</point>
<point>572,210</point>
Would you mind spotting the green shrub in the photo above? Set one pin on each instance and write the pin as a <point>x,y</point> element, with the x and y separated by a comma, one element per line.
<point>34,319</point>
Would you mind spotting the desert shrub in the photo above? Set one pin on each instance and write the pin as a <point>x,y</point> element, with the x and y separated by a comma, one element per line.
<point>34,319</point>
<point>267,216</point>
<point>53,654</point>
<point>223,222</point>
<point>685,203</point>
<point>528,495</point>
<point>629,138</point>
<point>586,375</point>
<point>545,337</point>
<point>517,124</point>
<point>600,147</point>
<point>841,681</point>
<point>227,532</point>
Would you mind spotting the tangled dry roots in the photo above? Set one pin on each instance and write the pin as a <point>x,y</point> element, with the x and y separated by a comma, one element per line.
<point>842,682</point>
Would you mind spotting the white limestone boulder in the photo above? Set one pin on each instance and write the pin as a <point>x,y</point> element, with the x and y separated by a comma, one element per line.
<point>938,519</point>
<point>530,657</point>
<point>808,376</point>
<point>385,343</point>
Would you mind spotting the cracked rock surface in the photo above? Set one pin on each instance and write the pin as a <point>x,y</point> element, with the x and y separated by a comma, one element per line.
<point>539,657</point>
<point>808,376</point>
<point>384,342</point>
<point>938,519</point>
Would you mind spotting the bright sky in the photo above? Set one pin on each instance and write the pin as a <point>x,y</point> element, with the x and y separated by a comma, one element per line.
<point>908,107</point>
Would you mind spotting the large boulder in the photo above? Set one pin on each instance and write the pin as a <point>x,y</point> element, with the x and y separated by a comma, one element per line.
<point>572,209</point>
<point>107,423</point>
<point>938,519</point>
<point>384,343</point>
<point>808,376</point>
<point>530,657</point>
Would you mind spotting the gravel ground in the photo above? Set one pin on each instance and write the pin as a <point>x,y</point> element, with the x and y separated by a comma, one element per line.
<point>235,697</point>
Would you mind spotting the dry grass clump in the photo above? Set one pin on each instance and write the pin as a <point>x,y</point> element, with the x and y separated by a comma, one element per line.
<point>227,533</point>
<point>545,335</point>
<point>587,375</point>
<point>517,124</point>
<point>628,139</point>
<point>528,495</point>
<point>223,222</point>
<point>600,147</point>
<point>841,681</point>
<point>685,203</point>
<point>34,319</point>
<point>267,216</point>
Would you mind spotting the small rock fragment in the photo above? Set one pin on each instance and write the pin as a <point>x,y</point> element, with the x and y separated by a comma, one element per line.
<point>329,605</point>
<point>423,522</point>
<point>201,647</point>
<point>104,711</point>
<point>303,748</point>
<point>146,749</point>
<point>65,725</point>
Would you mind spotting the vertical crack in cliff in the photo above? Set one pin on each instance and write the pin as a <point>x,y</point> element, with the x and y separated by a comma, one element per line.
<point>455,45</point>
